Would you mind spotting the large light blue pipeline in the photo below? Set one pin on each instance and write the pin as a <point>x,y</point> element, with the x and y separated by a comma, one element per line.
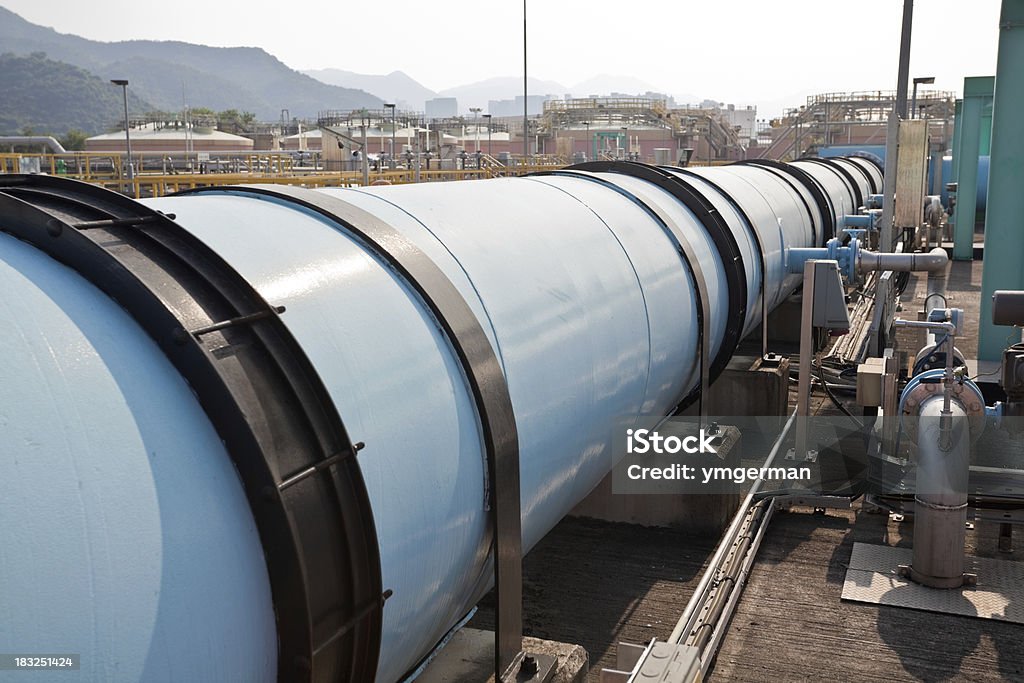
<point>131,531</point>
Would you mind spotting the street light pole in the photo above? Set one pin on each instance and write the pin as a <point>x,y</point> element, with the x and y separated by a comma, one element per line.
<point>904,64</point>
<point>526,116</point>
<point>488,117</point>
<point>127,136</point>
<point>391,159</point>
<point>922,80</point>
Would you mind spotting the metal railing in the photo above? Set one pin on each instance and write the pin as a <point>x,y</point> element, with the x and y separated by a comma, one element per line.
<point>109,166</point>
<point>158,185</point>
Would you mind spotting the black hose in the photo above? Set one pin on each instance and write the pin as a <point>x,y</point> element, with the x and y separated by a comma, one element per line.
<point>835,401</point>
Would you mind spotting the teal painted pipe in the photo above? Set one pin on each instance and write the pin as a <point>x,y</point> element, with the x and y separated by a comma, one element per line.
<point>976,92</point>
<point>1004,216</point>
<point>958,110</point>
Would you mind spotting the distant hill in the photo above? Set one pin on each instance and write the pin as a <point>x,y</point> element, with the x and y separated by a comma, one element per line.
<point>215,77</point>
<point>169,86</point>
<point>395,87</point>
<point>52,98</point>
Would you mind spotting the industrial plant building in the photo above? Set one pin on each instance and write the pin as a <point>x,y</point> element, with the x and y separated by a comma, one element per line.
<point>157,137</point>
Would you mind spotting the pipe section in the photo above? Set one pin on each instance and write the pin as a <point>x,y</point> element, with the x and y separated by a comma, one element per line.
<point>608,293</point>
<point>43,140</point>
<point>934,261</point>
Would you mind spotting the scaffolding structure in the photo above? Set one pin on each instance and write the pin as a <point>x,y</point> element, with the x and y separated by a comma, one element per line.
<point>690,127</point>
<point>843,118</point>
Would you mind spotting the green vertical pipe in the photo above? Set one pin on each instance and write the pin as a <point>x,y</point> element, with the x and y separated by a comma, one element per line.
<point>958,118</point>
<point>1004,215</point>
<point>976,92</point>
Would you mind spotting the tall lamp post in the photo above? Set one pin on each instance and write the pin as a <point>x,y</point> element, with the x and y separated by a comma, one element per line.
<point>526,118</point>
<point>391,156</point>
<point>127,136</point>
<point>625,134</point>
<point>476,125</point>
<point>488,117</point>
<point>920,80</point>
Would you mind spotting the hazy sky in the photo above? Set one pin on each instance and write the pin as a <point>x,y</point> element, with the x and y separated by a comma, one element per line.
<point>769,53</point>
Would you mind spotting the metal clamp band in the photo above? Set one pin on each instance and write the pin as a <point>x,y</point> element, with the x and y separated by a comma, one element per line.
<point>839,168</point>
<point>757,243</point>
<point>483,371</point>
<point>275,417</point>
<point>821,198</point>
<point>689,258</point>
<point>721,236</point>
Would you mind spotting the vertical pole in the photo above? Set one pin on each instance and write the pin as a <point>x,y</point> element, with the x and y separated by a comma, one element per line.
<point>828,132</point>
<point>903,75</point>
<point>958,108</point>
<point>976,91</point>
<point>416,159</point>
<point>1005,206</point>
<point>803,400</point>
<point>366,159</point>
<point>393,162</point>
<point>796,138</point>
<point>899,111</point>
<point>127,135</point>
<point>526,109</point>
<point>889,182</point>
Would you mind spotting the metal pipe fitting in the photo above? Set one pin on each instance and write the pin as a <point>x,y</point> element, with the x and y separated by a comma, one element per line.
<point>31,140</point>
<point>944,326</point>
<point>933,261</point>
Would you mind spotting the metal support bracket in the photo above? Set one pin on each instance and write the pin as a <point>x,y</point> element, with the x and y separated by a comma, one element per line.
<point>531,668</point>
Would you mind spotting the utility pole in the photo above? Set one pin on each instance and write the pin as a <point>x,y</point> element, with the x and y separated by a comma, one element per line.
<point>127,136</point>
<point>904,69</point>
<point>488,117</point>
<point>391,160</point>
<point>899,111</point>
<point>526,109</point>
<point>366,157</point>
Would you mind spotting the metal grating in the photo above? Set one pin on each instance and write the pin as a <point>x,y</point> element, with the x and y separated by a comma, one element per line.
<point>873,577</point>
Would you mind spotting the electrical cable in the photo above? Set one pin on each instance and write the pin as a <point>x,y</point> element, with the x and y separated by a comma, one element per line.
<point>836,401</point>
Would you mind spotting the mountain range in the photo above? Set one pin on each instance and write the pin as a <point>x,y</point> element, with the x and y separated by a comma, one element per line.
<point>72,99</point>
<point>166,74</point>
<point>169,75</point>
